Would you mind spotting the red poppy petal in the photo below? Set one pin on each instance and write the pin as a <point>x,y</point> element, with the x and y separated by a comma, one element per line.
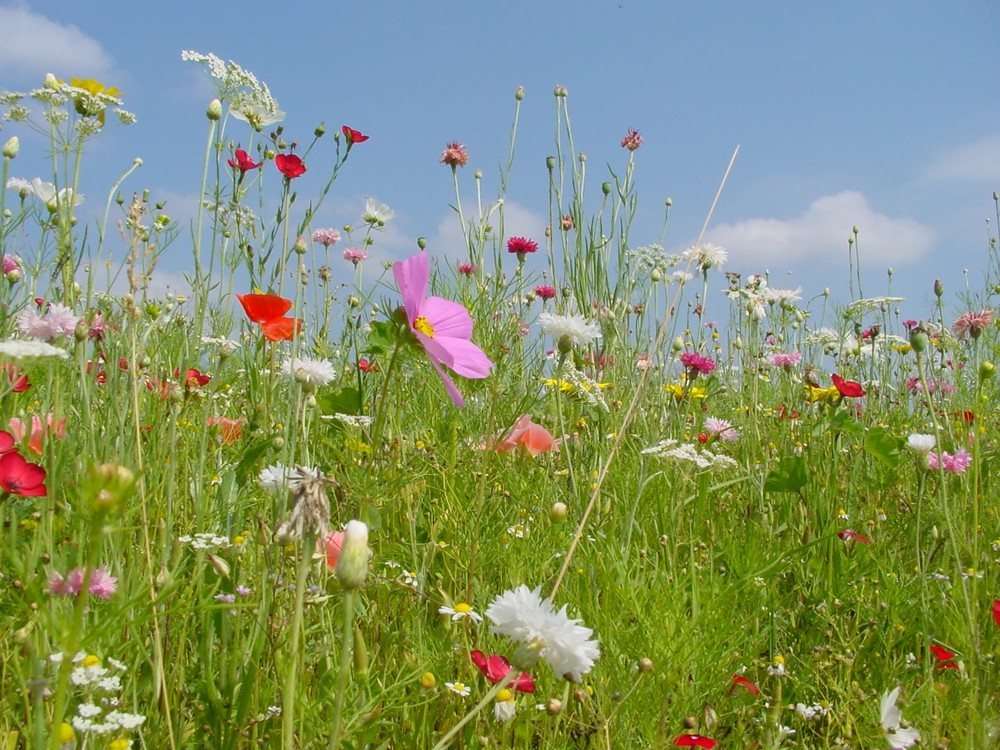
<point>6,442</point>
<point>695,740</point>
<point>743,682</point>
<point>848,388</point>
<point>261,308</point>
<point>996,612</point>
<point>282,329</point>
<point>942,653</point>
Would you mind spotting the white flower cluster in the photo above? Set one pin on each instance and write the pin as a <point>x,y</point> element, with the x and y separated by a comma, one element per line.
<point>585,388</point>
<point>20,350</point>
<point>205,541</point>
<point>98,712</point>
<point>249,100</point>
<point>703,459</point>
<point>871,304</point>
<point>353,420</point>
<point>756,297</point>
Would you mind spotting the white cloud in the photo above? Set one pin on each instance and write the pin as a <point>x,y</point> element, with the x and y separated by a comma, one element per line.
<point>977,161</point>
<point>820,235</point>
<point>34,45</point>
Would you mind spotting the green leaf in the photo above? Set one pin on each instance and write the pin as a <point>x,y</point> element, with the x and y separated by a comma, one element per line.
<point>346,400</point>
<point>885,446</point>
<point>788,476</point>
<point>844,422</point>
<point>381,338</point>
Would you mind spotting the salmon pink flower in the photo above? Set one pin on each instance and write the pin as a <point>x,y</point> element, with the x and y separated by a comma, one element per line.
<point>289,165</point>
<point>268,309</point>
<point>39,430</point>
<point>230,430</point>
<point>330,547</point>
<point>442,327</point>
<point>532,437</point>
<point>455,155</point>
<point>848,388</point>
<point>243,162</point>
<point>19,477</point>
<point>353,136</point>
<point>632,140</point>
<point>972,324</point>
<point>496,668</point>
<point>695,740</point>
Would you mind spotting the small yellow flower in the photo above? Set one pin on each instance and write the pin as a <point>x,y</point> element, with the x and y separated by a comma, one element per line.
<point>679,391</point>
<point>120,744</point>
<point>428,680</point>
<point>91,661</point>
<point>66,733</point>
<point>829,395</point>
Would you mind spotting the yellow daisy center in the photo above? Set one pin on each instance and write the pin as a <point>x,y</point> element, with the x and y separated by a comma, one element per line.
<point>424,326</point>
<point>463,608</point>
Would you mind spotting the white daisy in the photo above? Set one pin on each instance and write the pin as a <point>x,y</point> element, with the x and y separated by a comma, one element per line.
<point>575,327</point>
<point>458,688</point>
<point>459,612</point>
<point>311,373</point>
<point>565,644</point>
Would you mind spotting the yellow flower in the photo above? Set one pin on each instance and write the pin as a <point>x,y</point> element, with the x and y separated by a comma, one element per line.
<point>830,395</point>
<point>567,387</point>
<point>90,104</point>
<point>679,391</point>
<point>120,744</point>
<point>428,680</point>
<point>66,733</point>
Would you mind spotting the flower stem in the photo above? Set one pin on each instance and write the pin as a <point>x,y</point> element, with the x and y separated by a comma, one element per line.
<point>291,674</point>
<point>346,649</point>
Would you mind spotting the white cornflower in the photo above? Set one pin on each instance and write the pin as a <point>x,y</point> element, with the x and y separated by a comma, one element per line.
<point>21,187</point>
<point>921,443</point>
<point>379,215</point>
<point>783,296</point>
<point>458,688</point>
<point>565,644</point>
<point>19,350</point>
<point>311,373</point>
<point>459,612</point>
<point>575,328</point>
<point>899,736</point>
<point>706,256</point>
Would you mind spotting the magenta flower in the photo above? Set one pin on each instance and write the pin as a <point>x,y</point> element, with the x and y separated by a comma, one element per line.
<point>697,364</point>
<point>467,269</point>
<point>545,292</point>
<point>957,463</point>
<point>443,327</point>
<point>785,359</point>
<point>632,140</point>
<point>102,583</point>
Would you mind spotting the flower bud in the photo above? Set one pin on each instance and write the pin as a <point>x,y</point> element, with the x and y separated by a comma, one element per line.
<point>938,288</point>
<point>553,707</point>
<point>22,635</point>
<point>560,91</point>
<point>519,93</point>
<point>565,344</point>
<point>987,370</point>
<point>606,188</point>
<point>111,484</point>
<point>51,82</point>
<point>677,344</point>
<point>11,147</point>
<point>219,565</point>
<point>352,568</point>
<point>645,665</point>
<point>669,202</point>
<point>428,680</point>
<point>422,243</point>
<point>320,130</point>
<point>360,653</point>
<point>655,275</point>
<point>214,111</point>
<point>919,340</point>
<point>550,163</point>
<point>300,247</point>
<point>558,511</point>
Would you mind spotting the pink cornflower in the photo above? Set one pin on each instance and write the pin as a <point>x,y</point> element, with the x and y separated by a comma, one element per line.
<point>722,429</point>
<point>632,140</point>
<point>102,584</point>
<point>786,360</point>
<point>567,222</point>
<point>10,263</point>
<point>697,364</point>
<point>455,155</point>
<point>850,535</point>
<point>58,320</point>
<point>956,463</point>
<point>521,246</point>
<point>355,255</point>
<point>39,430</point>
<point>972,323</point>
<point>326,237</point>
<point>467,269</point>
<point>442,327</point>
<point>545,291</point>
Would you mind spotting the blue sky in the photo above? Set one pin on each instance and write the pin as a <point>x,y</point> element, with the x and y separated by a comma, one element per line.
<point>881,115</point>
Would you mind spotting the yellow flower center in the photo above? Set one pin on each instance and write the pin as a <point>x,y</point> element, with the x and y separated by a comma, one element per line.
<point>463,608</point>
<point>504,695</point>
<point>91,661</point>
<point>424,326</point>
<point>66,733</point>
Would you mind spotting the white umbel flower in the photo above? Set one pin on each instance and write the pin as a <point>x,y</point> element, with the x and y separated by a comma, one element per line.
<point>14,349</point>
<point>311,373</point>
<point>575,327</point>
<point>524,616</point>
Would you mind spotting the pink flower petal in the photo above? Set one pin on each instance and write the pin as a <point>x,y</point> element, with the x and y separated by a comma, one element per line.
<point>412,276</point>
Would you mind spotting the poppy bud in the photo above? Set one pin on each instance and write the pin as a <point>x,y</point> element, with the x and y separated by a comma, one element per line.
<point>560,91</point>
<point>558,511</point>
<point>214,111</point>
<point>645,665</point>
<point>320,130</point>
<point>919,340</point>
<point>553,707</point>
<point>11,147</point>
<point>550,163</point>
<point>352,567</point>
<point>422,243</point>
<point>669,202</point>
<point>606,188</point>
<point>565,344</point>
<point>519,93</point>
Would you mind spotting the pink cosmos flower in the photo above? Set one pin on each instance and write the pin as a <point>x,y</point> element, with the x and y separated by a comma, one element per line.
<point>972,323</point>
<point>326,237</point>
<point>532,437</point>
<point>697,363</point>
<point>355,255</point>
<point>786,360</point>
<point>957,463</point>
<point>632,140</point>
<point>442,327</point>
<point>102,584</point>
<point>545,291</point>
<point>39,430</point>
<point>455,155</point>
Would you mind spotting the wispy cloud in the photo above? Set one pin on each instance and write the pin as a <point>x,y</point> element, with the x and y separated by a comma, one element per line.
<point>34,45</point>
<point>821,233</point>
<point>976,161</point>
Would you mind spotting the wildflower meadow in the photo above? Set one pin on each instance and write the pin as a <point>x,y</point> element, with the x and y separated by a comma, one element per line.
<point>571,490</point>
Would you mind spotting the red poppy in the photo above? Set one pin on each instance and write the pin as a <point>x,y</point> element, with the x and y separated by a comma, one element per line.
<point>695,740</point>
<point>944,657</point>
<point>268,310</point>
<point>353,136</point>
<point>850,535</point>
<point>848,388</point>
<point>366,365</point>
<point>193,378</point>
<point>996,612</point>
<point>18,380</point>
<point>243,162</point>
<point>19,477</point>
<point>496,668</point>
<point>744,683</point>
<point>290,165</point>
<point>6,442</point>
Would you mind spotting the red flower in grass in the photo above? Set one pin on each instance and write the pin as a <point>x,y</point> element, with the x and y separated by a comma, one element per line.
<point>496,668</point>
<point>944,657</point>
<point>269,311</point>
<point>353,136</point>
<point>532,437</point>
<point>848,388</point>
<point>695,740</point>
<point>243,162</point>
<point>545,292</point>
<point>850,535</point>
<point>18,380</point>
<point>741,681</point>
<point>6,442</point>
<point>193,378</point>
<point>289,165</point>
<point>230,430</point>
<point>521,246</point>
<point>366,365</point>
<point>996,612</point>
<point>696,364</point>
<point>20,477</point>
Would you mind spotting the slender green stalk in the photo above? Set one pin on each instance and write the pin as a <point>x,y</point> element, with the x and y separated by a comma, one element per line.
<point>343,676</point>
<point>288,695</point>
